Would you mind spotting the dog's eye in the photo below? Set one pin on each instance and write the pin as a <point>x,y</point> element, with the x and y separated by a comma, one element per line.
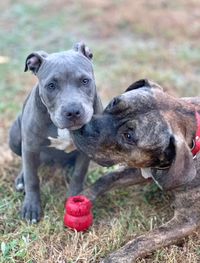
<point>85,81</point>
<point>127,136</point>
<point>51,86</point>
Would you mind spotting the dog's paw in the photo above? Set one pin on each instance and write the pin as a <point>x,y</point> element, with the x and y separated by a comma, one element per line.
<point>31,209</point>
<point>19,183</point>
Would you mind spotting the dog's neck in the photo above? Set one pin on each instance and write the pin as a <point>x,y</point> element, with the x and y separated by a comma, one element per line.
<point>38,100</point>
<point>188,123</point>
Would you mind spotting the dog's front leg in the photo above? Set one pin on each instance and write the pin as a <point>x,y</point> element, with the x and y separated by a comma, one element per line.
<point>78,176</point>
<point>178,227</point>
<point>125,177</point>
<point>31,209</point>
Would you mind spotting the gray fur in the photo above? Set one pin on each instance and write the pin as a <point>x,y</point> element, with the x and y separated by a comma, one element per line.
<point>62,99</point>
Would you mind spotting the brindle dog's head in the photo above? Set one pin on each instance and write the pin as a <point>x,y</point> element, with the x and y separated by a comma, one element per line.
<point>145,128</point>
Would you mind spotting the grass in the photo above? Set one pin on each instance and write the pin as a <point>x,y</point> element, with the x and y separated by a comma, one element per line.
<point>130,40</point>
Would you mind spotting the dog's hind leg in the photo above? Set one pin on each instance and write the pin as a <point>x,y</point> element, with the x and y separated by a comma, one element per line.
<point>186,220</point>
<point>19,182</point>
<point>15,143</point>
<point>125,177</point>
<point>15,139</point>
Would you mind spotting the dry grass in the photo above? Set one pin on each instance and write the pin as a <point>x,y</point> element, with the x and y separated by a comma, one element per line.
<point>130,40</point>
<point>117,220</point>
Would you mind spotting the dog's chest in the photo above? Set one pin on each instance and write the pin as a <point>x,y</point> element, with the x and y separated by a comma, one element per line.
<point>62,140</point>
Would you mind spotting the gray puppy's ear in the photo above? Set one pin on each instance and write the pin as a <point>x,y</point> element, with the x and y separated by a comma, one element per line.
<point>83,49</point>
<point>98,107</point>
<point>34,61</point>
<point>182,169</point>
<point>143,83</point>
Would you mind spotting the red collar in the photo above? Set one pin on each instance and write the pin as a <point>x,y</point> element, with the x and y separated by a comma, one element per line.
<point>196,141</point>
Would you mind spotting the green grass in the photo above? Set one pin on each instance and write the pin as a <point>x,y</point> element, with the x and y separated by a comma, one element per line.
<point>116,218</point>
<point>130,40</point>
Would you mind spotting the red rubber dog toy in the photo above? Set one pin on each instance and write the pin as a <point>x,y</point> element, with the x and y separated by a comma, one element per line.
<point>78,213</point>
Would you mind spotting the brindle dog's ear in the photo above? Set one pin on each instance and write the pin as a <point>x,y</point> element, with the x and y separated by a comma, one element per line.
<point>182,170</point>
<point>83,49</point>
<point>34,61</point>
<point>143,83</point>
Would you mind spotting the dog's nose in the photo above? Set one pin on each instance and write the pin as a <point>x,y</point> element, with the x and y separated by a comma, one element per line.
<point>73,111</point>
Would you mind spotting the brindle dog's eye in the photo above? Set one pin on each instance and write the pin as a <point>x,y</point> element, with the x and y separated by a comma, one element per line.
<point>85,81</point>
<point>51,86</point>
<point>128,136</point>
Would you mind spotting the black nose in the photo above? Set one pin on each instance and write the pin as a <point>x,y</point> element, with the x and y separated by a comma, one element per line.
<point>72,111</point>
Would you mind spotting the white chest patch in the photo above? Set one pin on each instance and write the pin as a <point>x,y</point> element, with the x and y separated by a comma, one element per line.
<point>63,141</point>
<point>147,173</point>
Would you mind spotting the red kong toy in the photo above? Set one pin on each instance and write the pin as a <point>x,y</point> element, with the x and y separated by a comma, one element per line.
<point>78,213</point>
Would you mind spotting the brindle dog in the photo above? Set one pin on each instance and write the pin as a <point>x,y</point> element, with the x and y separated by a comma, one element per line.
<point>153,134</point>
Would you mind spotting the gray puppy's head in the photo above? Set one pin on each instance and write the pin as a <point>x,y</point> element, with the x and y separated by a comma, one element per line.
<point>66,85</point>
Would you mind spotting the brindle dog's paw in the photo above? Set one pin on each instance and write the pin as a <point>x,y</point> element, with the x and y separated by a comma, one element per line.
<point>31,209</point>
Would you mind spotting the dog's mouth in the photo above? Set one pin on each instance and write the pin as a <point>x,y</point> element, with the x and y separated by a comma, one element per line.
<point>70,125</point>
<point>103,161</point>
<point>74,127</point>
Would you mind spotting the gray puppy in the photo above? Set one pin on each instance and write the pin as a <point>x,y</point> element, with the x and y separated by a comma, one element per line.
<point>64,99</point>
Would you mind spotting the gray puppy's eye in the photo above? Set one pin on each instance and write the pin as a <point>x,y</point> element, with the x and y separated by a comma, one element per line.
<point>85,81</point>
<point>51,86</point>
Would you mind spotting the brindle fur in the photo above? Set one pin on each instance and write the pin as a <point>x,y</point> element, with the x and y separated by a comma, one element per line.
<point>164,128</point>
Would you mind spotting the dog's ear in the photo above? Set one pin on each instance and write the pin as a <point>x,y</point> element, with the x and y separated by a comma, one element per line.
<point>83,49</point>
<point>97,105</point>
<point>182,169</point>
<point>34,61</point>
<point>144,83</point>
